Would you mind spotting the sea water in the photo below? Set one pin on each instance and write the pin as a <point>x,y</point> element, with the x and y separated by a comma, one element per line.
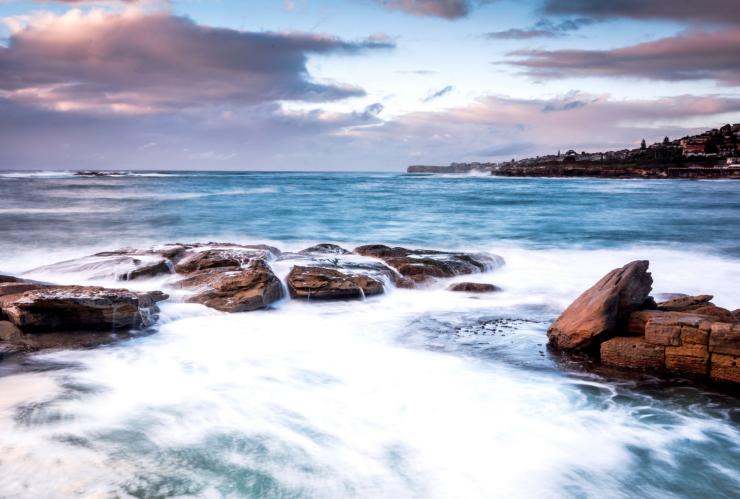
<point>414,393</point>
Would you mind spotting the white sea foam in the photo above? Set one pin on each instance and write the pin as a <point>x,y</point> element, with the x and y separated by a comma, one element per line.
<point>341,407</point>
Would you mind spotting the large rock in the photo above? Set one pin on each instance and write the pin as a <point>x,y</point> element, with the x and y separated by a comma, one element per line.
<point>326,283</point>
<point>242,290</point>
<point>91,308</point>
<point>124,265</point>
<point>595,315</point>
<point>233,257</point>
<point>422,265</point>
<point>632,352</point>
<point>725,368</point>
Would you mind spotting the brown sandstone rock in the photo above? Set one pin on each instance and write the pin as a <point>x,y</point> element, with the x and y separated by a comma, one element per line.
<point>324,283</point>
<point>242,290</point>
<point>736,315</point>
<point>719,313</point>
<point>474,287</point>
<point>687,359</point>
<point>632,352</point>
<point>725,368</point>
<point>9,331</point>
<point>422,265</point>
<point>683,303</point>
<point>725,338</point>
<point>80,308</point>
<point>598,311</point>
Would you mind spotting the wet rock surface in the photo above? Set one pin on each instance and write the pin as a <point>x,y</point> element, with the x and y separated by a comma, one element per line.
<point>474,287</point>
<point>52,308</point>
<point>330,284</point>
<point>251,288</point>
<point>223,276</point>
<point>422,266</point>
<point>684,335</point>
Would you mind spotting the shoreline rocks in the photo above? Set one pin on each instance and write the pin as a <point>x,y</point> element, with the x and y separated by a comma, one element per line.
<point>422,266</point>
<point>224,276</point>
<point>241,290</point>
<point>598,311</point>
<point>320,283</point>
<point>684,335</point>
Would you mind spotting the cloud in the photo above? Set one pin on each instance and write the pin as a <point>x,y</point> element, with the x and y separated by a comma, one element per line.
<point>544,28</point>
<point>447,9</point>
<point>691,55</point>
<point>439,93</point>
<point>135,62</point>
<point>495,128</point>
<point>715,11</point>
<point>265,136</point>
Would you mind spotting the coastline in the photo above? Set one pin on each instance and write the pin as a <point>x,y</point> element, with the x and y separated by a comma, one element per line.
<point>591,170</point>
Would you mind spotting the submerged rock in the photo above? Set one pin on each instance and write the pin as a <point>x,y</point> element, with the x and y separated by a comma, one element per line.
<point>242,290</point>
<point>421,265</point>
<point>325,249</point>
<point>327,284</point>
<point>474,287</point>
<point>597,312</point>
<point>51,308</point>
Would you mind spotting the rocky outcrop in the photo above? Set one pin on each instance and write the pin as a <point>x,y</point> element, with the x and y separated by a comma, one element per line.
<point>686,335</point>
<point>241,290</point>
<point>597,313</point>
<point>422,266</point>
<point>320,283</point>
<point>52,308</point>
<point>473,287</point>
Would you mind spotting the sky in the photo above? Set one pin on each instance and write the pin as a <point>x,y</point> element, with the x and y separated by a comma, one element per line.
<point>370,85</point>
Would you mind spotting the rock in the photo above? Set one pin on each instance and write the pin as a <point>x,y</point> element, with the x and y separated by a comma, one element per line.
<point>80,308</point>
<point>325,283</point>
<point>687,359</point>
<point>725,368</point>
<point>636,324</point>
<point>13,288</point>
<point>598,311</point>
<point>231,257</point>
<point>473,287</point>
<point>632,352</point>
<point>9,331</point>
<point>421,265</point>
<point>677,328</point>
<point>324,249</point>
<point>154,269</point>
<point>243,290</point>
<point>684,303</point>
<point>719,313</point>
<point>736,315</point>
<point>124,264</point>
<point>724,338</point>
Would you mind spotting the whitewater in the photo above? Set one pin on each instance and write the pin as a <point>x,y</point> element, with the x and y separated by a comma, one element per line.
<point>410,394</point>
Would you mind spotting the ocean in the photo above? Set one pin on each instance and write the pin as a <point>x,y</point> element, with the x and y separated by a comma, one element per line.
<point>410,394</point>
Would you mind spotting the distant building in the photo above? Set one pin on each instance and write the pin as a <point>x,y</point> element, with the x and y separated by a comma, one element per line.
<point>570,156</point>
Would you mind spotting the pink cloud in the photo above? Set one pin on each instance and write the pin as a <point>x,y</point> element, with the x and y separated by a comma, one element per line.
<point>688,56</point>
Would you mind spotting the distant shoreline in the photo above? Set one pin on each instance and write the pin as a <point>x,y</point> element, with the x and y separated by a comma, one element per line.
<point>592,170</point>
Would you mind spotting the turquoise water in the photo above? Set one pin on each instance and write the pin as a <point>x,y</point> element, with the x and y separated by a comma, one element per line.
<point>415,393</point>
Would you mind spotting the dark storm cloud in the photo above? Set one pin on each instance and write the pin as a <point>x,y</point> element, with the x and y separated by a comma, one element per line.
<point>544,28</point>
<point>688,56</point>
<point>718,11</point>
<point>135,62</point>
